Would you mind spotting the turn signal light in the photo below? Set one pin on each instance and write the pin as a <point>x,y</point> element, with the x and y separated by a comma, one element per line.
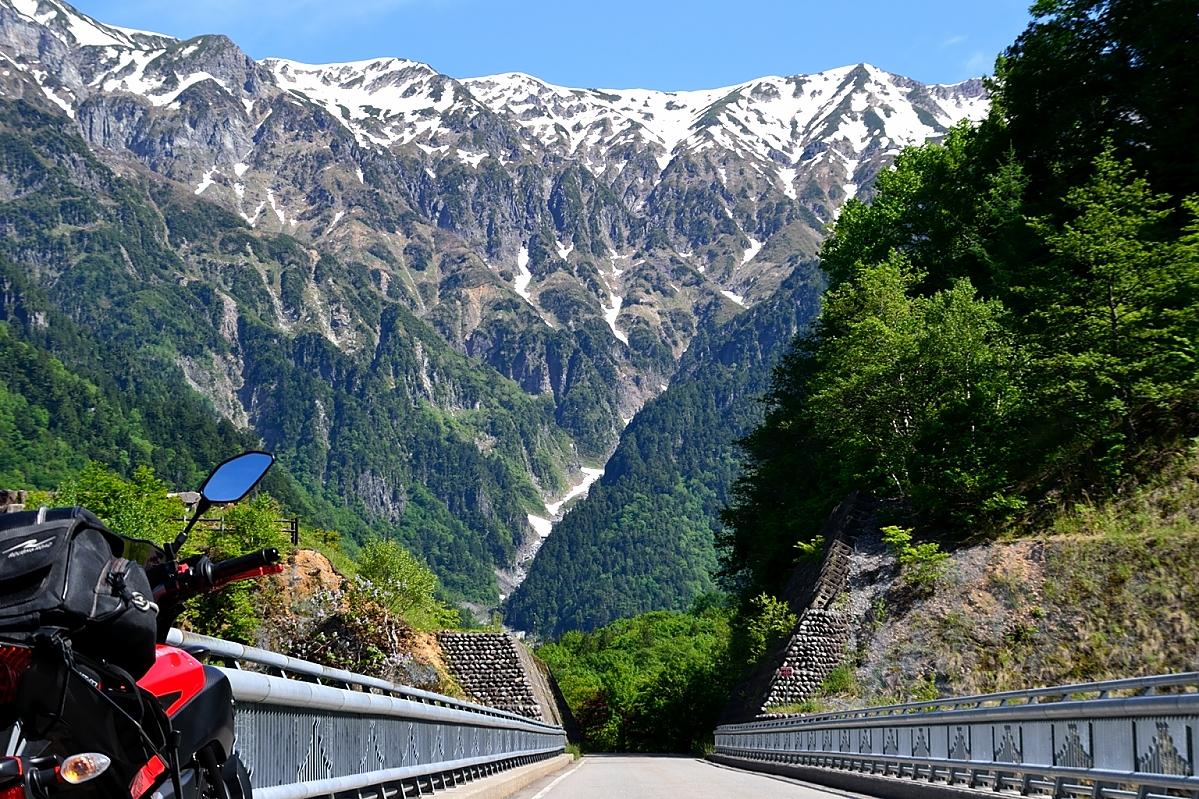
<point>83,767</point>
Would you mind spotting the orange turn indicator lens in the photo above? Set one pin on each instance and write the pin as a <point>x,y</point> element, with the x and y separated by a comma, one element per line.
<point>83,767</point>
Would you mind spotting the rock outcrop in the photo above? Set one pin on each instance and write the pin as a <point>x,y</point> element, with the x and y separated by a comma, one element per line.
<point>12,501</point>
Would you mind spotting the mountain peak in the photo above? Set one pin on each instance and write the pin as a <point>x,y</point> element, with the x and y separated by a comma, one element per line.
<point>372,67</point>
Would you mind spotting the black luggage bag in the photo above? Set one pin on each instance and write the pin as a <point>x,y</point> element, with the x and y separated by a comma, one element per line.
<point>63,568</point>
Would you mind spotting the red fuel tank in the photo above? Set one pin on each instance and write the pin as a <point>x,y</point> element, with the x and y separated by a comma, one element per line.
<point>175,678</point>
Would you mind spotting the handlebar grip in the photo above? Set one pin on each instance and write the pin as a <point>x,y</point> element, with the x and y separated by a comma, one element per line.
<point>228,570</point>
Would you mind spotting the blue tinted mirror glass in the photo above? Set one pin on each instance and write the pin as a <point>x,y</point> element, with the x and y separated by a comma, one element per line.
<point>234,478</point>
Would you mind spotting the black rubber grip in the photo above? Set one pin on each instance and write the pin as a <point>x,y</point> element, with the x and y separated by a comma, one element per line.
<point>255,560</point>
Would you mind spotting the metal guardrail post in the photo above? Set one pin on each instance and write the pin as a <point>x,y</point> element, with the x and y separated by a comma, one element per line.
<point>1069,740</point>
<point>292,528</point>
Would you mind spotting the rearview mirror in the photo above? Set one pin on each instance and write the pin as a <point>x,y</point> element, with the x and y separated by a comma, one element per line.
<point>236,477</point>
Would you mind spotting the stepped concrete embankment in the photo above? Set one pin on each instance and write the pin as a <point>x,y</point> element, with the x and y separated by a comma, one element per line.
<point>497,670</point>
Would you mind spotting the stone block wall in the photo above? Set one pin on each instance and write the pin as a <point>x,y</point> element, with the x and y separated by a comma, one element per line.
<point>816,648</point>
<point>491,668</point>
<point>817,645</point>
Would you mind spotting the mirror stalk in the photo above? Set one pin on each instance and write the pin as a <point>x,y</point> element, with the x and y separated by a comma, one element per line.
<point>201,508</point>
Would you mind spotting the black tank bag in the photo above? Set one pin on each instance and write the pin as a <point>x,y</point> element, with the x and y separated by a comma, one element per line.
<point>63,568</point>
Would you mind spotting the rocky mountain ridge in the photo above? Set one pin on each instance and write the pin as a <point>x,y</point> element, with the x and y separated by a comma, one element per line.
<point>203,113</point>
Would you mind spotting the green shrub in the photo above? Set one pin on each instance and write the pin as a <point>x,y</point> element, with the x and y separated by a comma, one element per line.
<point>925,690</point>
<point>806,706</point>
<point>809,550</point>
<point>769,620</point>
<point>401,583</point>
<point>237,611</point>
<point>139,508</point>
<point>922,564</point>
<point>840,680</point>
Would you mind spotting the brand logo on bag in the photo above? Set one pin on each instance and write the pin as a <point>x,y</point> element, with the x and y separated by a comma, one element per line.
<point>141,603</point>
<point>26,547</point>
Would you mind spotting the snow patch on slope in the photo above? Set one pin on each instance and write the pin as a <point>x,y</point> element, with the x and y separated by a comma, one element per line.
<point>58,101</point>
<point>381,101</point>
<point>523,276</point>
<point>270,198</point>
<point>751,251</point>
<point>787,178</point>
<point>206,181</point>
<point>80,28</point>
<point>611,312</point>
<point>184,85</point>
<point>581,489</point>
<point>543,527</point>
<point>253,220</point>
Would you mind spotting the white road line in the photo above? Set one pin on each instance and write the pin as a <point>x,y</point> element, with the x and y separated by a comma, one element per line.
<point>550,787</point>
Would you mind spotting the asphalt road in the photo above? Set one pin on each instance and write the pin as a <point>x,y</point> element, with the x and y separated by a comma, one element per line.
<point>642,777</point>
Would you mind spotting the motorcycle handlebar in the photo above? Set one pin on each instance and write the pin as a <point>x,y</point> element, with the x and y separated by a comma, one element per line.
<point>10,768</point>
<point>254,564</point>
<point>200,575</point>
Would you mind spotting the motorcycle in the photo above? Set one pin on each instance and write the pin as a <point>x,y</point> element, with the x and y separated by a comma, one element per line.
<point>97,704</point>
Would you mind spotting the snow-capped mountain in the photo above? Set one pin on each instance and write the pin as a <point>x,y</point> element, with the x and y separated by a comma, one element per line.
<point>576,240</point>
<point>844,120</point>
<point>836,127</point>
<point>771,120</point>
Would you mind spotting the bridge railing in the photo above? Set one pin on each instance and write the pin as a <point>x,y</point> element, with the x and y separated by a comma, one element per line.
<point>1134,737</point>
<point>306,730</point>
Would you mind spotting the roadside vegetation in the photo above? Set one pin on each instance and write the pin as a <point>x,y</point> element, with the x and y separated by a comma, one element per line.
<point>1104,590</point>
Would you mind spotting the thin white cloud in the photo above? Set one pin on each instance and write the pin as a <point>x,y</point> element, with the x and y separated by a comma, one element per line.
<point>979,63</point>
<point>953,41</point>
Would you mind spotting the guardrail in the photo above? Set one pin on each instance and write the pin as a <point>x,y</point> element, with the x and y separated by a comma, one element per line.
<point>306,730</point>
<point>1134,737</point>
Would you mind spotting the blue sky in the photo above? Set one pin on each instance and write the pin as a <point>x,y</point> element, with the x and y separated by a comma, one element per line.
<point>609,44</point>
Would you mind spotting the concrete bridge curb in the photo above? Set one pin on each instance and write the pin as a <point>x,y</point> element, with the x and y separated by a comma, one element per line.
<point>870,785</point>
<point>507,783</point>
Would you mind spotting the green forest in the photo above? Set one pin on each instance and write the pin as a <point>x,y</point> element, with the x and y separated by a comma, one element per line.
<point>1011,325</point>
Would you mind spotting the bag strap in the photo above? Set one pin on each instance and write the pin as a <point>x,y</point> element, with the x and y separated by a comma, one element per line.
<point>129,597</point>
